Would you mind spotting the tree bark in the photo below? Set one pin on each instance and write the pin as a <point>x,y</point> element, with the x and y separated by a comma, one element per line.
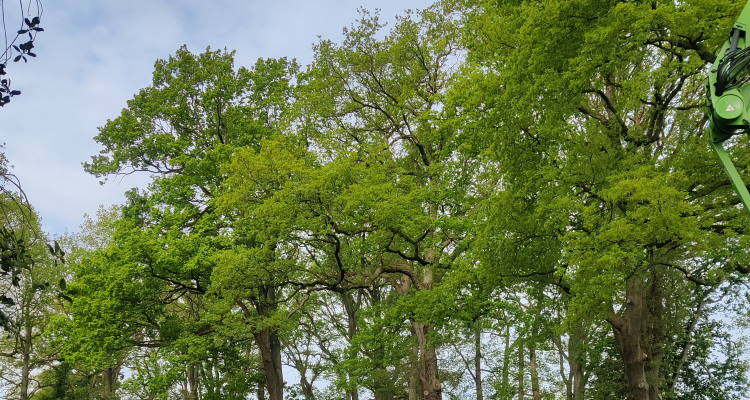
<point>565,375</point>
<point>629,330</point>
<point>261,389</point>
<point>427,363</point>
<point>193,382</point>
<point>505,382</point>
<point>424,379</point>
<point>351,308</point>
<point>414,386</point>
<point>307,388</point>
<point>521,371</point>
<point>270,353</point>
<point>687,343</point>
<point>536,393</point>
<point>26,348</point>
<point>267,340</point>
<point>654,336</point>
<point>478,361</point>
<point>110,376</point>
<point>576,362</point>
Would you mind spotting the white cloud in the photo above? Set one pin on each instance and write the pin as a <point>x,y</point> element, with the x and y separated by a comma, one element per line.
<point>96,54</point>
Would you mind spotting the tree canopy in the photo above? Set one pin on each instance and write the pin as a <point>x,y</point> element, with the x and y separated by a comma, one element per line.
<point>482,200</point>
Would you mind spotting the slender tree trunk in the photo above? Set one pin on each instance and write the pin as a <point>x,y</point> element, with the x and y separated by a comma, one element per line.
<point>307,387</point>
<point>536,394</point>
<point>193,384</point>
<point>26,348</point>
<point>576,362</point>
<point>687,343</point>
<point>521,371</point>
<point>579,381</point>
<point>565,376</point>
<point>478,361</point>
<point>351,309</point>
<point>261,388</point>
<point>505,382</point>
<point>24,385</point>
<point>110,376</point>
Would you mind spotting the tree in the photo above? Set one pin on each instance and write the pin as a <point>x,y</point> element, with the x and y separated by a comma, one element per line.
<point>604,185</point>
<point>377,189</point>
<point>182,130</point>
<point>31,283</point>
<point>497,200</point>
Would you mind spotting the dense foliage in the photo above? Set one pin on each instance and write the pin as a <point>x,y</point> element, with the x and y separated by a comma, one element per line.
<point>487,200</point>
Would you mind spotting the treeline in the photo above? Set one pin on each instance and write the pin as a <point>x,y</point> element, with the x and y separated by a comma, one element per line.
<point>485,200</point>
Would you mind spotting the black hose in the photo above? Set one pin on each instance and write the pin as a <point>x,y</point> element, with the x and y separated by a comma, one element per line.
<point>734,68</point>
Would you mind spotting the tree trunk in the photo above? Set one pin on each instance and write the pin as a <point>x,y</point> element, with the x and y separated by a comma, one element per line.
<point>505,382</point>
<point>193,384</point>
<point>579,381</point>
<point>687,342</point>
<point>110,376</point>
<point>576,362</point>
<point>629,331</point>
<point>261,388</point>
<point>270,353</point>
<point>424,379</point>
<point>24,385</point>
<point>565,375</point>
<point>26,348</point>
<point>267,340</point>
<point>427,362</point>
<point>307,388</point>
<point>414,386</point>
<point>351,308</point>
<point>478,361</point>
<point>654,337</point>
<point>536,394</point>
<point>521,371</point>
<point>431,387</point>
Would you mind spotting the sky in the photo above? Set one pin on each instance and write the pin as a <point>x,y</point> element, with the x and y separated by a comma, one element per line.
<point>96,54</point>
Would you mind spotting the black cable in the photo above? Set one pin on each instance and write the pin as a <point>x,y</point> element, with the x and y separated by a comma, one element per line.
<point>733,70</point>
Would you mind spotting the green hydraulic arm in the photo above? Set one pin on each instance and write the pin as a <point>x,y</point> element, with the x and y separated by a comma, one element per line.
<point>728,90</point>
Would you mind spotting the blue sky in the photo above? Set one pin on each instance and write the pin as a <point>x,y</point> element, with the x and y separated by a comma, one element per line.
<point>95,54</point>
